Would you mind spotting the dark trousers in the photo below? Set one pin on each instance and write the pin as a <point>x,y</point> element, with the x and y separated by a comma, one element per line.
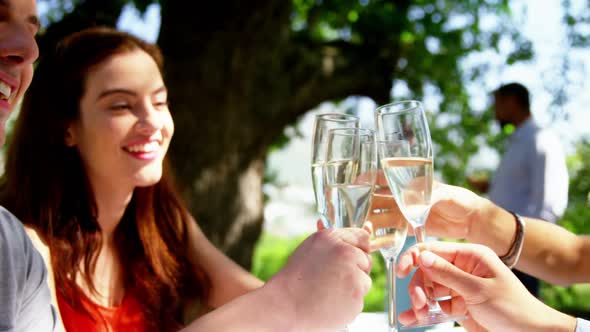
<point>531,283</point>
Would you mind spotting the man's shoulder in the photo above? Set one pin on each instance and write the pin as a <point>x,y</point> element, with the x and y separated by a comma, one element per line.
<point>11,229</point>
<point>546,139</point>
<point>536,137</point>
<point>15,246</point>
<point>546,132</point>
<point>23,281</point>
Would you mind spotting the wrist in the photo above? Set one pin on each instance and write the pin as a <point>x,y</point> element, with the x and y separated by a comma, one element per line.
<point>556,321</point>
<point>513,254</point>
<point>537,316</point>
<point>279,303</point>
<point>482,211</point>
<point>533,315</point>
<point>491,226</point>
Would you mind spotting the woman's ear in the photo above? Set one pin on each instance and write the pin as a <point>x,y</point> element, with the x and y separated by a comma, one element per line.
<point>70,138</point>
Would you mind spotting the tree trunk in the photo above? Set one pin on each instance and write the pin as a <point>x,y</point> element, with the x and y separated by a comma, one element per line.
<point>236,78</point>
<point>216,78</point>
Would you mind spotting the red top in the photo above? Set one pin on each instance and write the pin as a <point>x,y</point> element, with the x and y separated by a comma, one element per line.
<point>125,317</point>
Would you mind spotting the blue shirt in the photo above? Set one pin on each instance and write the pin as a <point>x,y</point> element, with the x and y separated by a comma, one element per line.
<point>532,178</point>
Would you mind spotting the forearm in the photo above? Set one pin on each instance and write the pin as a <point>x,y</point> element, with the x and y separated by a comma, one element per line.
<point>550,320</point>
<point>235,283</point>
<point>554,254</point>
<point>260,310</point>
<point>549,252</point>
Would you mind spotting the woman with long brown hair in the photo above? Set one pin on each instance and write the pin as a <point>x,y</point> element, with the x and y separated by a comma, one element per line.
<point>86,170</point>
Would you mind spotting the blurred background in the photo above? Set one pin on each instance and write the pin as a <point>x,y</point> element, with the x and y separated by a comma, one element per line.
<point>246,78</point>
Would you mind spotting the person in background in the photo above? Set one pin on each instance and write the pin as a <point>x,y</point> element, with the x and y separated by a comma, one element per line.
<point>532,178</point>
<point>87,174</point>
<point>25,302</point>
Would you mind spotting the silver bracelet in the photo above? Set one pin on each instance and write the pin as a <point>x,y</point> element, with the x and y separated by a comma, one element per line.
<point>513,254</point>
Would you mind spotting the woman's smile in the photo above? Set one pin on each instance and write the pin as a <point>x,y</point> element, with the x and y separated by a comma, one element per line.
<point>147,150</point>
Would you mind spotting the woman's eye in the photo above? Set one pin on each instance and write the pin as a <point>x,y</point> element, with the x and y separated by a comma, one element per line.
<point>160,104</point>
<point>119,107</point>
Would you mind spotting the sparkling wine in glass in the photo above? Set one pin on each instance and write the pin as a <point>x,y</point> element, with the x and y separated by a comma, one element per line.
<point>406,156</point>
<point>323,123</point>
<point>350,171</point>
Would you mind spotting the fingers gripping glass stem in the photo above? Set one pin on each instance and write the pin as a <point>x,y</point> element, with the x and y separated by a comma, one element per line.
<point>420,232</point>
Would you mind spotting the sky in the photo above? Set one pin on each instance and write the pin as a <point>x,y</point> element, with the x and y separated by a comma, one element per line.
<point>290,210</point>
<point>146,26</point>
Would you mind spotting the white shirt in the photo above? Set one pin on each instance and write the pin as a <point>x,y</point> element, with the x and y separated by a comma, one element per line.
<point>532,178</point>
<point>582,325</point>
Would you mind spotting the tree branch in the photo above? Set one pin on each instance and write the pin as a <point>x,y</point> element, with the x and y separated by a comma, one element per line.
<point>336,70</point>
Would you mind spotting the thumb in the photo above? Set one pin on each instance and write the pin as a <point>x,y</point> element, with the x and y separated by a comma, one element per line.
<point>441,271</point>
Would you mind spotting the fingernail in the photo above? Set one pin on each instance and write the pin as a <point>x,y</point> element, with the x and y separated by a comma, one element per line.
<point>427,258</point>
<point>405,261</point>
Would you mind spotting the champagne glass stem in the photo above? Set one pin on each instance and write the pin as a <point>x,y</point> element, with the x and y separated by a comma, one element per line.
<point>420,232</point>
<point>391,314</point>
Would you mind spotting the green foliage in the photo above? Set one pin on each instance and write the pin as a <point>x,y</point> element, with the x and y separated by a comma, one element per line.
<point>375,298</point>
<point>577,216</point>
<point>577,21</point>
<point>427,40</point>
<point>572,300</point>
<point>579,165</point>
<point>272,253</point>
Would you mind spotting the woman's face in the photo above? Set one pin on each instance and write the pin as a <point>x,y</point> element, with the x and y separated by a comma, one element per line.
<point>124,126</point>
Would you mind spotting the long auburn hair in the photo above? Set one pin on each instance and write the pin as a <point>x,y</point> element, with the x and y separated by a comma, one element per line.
<point>46,186</point>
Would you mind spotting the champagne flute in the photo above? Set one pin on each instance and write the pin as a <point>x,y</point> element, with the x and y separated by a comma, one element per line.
<point>350,170</point>
<point>405,151</point>
<point>323,123</point>
<point>389,234</point>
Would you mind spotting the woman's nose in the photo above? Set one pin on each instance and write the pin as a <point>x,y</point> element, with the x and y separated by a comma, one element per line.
<point>149,120</point>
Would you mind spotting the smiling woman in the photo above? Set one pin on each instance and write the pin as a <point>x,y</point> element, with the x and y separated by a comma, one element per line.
<point>86,170</point>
